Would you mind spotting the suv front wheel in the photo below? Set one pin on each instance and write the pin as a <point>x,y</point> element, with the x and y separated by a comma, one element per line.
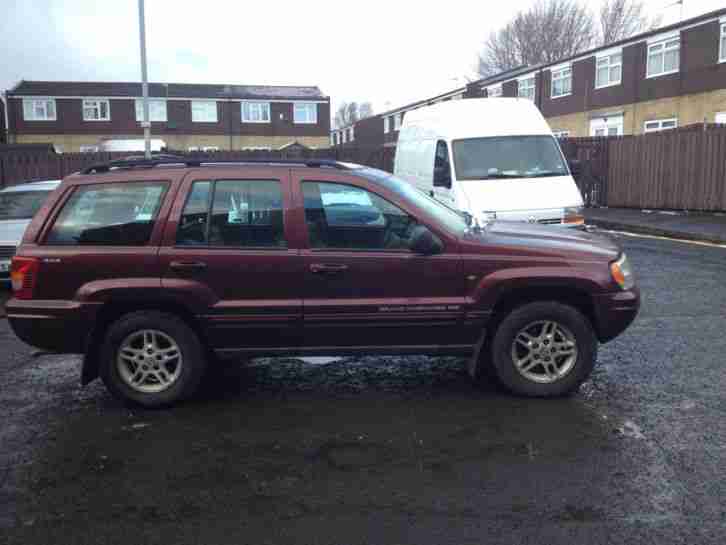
<point>543,349</point>
<point>151,359</point>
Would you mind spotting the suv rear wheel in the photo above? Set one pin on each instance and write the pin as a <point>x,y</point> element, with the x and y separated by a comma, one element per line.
<point>543,349</point>
<point>151,359</point>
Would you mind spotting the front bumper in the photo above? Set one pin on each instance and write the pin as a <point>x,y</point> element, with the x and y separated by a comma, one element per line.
<point>56,326</point>
<point>615,312</point>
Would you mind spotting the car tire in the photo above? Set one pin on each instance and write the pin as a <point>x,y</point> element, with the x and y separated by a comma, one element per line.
<point>526,337</point>
<point>150,339</point>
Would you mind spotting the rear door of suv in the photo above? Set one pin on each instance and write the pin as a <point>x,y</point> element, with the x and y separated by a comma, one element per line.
<point>226,251</point>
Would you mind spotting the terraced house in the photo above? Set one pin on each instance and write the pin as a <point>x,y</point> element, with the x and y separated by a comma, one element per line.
<point>670,77</point>
<point>77,116</point>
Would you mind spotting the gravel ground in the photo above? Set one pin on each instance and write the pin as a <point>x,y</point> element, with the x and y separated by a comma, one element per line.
<point>389,450</point>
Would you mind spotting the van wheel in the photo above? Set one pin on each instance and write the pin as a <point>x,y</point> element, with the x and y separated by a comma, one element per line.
<point>543,349</point>
<point>152,359</point>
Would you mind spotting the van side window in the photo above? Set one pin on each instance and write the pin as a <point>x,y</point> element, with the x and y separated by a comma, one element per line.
<point>442,165</point>
<point>109,215</point>
<point>347,217</point>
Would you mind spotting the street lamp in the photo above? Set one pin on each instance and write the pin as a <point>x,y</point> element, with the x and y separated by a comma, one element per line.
<point>146,124</point>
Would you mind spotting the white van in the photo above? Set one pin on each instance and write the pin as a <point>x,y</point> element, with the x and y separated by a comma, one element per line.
<point>493,158</point>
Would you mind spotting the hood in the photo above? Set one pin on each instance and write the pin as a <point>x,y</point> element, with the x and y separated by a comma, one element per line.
<point>519,194</point>
<point>546,240</point>
<point>12,231</point>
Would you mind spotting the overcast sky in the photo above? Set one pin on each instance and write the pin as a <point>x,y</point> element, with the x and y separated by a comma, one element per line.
<point>388,52</point>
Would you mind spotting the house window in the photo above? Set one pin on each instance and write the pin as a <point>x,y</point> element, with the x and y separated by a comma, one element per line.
<point>204,111</point>
<point>660,125</point>
<point>306,113</point>
<point>397,122</point>
<point>386,125</point>
<point>607,126</point>
<point>562,82</point>
<point>494,91</point>
<point>720,117</point>
<point>609,70</point>
<point>561,134</point>
<point>39,109</point>
<point>525,88</point>
<point>255,112</point>
<point>664,57</point>
<point>722,49</point>
<point>86,148</point>
<point>96,110</point>
<point>344,132</point>
<point>351,134</point>
<point>157,110</point>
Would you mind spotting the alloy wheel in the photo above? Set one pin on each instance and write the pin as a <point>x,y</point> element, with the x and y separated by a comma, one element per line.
<point>149,361</point>
<point>544,351</point>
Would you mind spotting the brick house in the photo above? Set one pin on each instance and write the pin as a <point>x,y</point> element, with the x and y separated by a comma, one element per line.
<point>77,116</point>
<point>669,77</point>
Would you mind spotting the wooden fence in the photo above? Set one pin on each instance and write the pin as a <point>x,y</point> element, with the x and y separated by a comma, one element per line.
<point>682,169</point>
<point>25,166</point>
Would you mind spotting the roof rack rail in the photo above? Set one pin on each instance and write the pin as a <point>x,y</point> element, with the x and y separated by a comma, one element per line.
<point>142,162</point>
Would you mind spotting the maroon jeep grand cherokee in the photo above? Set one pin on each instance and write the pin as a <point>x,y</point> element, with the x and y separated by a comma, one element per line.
<point>154,269</point>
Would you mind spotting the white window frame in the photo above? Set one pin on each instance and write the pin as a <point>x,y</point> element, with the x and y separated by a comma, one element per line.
<point>557,73</point>
<point>529,87</point>
<point>722,42</point>
<point>88,148</point>
<point>261,110</point>
<point>155,105</point>
<point>351,134</point>
<point>386,125</point>
<point>606,61</point>
<point>660,126</point>
<point>665,45</point>
<point>203,108</point>
<point>608,122</point>
<point>397,122</point>
<point>95,104</point>
<point>495,91</point>
<point>310,116</point>
<point>561,134</point>
<point>31,103</point>
<point>344,134</point>
<point>718,115</point>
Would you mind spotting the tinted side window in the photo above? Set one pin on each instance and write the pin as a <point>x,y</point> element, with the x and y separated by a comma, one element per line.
<point>237,213</point>
<point>109,215</point>
<point>347,217</point>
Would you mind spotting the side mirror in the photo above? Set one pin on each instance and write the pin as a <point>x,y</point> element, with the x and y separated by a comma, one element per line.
<point>424,242</point>
<point>442,177</point>
<point>575,166</point>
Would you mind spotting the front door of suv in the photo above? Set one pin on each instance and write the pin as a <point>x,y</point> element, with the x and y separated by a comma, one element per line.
<point>364,288</point>
<point>227,251</point>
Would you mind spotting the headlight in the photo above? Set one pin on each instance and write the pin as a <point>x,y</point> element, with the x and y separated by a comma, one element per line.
<point>622,273</point>
<point>573,215</point>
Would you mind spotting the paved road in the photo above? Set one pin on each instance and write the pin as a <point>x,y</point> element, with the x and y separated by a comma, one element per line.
<point>390,450</point>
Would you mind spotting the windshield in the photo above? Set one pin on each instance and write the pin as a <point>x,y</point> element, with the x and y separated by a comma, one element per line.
<point>508,157</point>
<point>450,218</point>
<point>19,205</point>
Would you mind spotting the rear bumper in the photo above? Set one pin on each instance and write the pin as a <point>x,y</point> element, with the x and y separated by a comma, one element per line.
<point>615,312</point>
<point>56,326</point>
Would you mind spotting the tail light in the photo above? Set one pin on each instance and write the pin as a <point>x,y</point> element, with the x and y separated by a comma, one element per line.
<point>23,275</point>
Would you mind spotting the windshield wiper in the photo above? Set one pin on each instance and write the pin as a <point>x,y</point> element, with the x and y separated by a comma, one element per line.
<point>544,174</point>
<point>500,176</point>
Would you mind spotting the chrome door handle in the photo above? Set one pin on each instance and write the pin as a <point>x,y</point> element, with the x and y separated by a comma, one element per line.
<point>322,268</point>
<point>187,265</point>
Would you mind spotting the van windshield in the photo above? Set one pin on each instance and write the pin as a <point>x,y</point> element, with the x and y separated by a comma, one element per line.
<point>502,157</point>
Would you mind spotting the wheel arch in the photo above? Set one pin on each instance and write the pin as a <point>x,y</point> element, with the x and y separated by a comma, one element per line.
<point>114,309</point>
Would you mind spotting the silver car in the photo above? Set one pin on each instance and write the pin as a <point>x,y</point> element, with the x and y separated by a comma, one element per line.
<point>18,205</point>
